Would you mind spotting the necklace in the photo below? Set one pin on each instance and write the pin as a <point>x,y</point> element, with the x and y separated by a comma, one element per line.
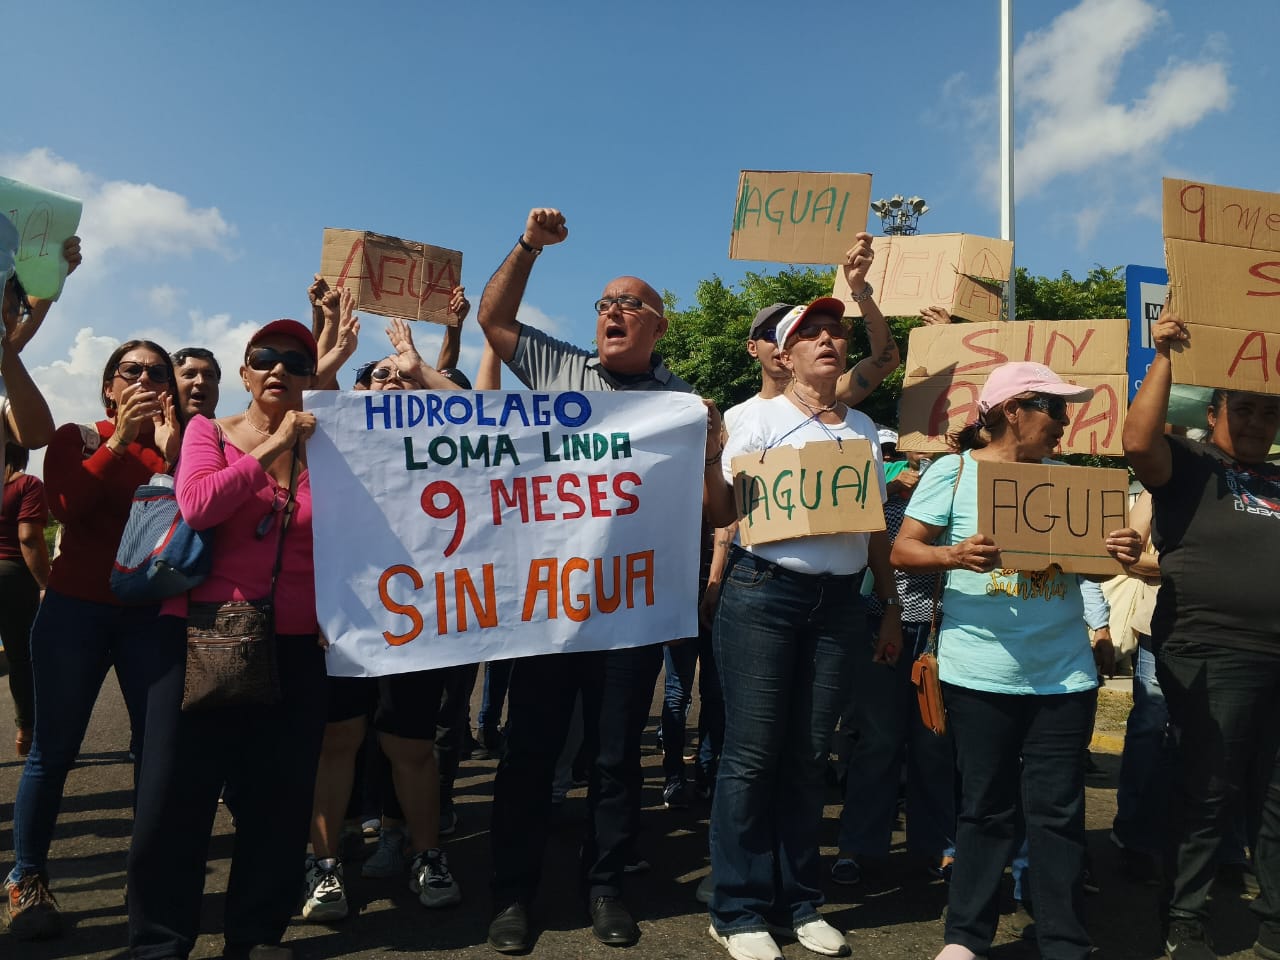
<point>254,427</point>
<point>815,412</point>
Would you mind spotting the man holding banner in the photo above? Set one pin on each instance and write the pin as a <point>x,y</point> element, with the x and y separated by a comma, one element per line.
<point>616,685</point>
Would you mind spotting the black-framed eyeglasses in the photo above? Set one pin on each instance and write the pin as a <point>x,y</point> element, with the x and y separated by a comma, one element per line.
<point>295,362</point>
<point>131,371</point>
<point>1055,407</point>
<point>812,331</point>
<point>277,505</point>
<point>626,302</point>
<point>383,374</point>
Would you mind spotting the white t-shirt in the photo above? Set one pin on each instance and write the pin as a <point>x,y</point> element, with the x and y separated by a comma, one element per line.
<point>779,422</point>
<point>734,414</point>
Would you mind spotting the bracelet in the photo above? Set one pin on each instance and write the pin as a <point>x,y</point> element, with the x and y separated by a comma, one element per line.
<point>527,247</point>
<point>115,451</point>
<point>866,293</point>
<point>715,458</point>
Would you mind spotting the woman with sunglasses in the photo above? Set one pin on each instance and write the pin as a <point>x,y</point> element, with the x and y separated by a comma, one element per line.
<point>1019,677</point>
<point>81,630</point>
<point>240,477</point>
<point>789,622</point>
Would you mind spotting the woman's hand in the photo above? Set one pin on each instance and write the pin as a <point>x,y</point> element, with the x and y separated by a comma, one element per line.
<point>459,305</point>
<point>1167,331</point>
<point>857,261</point>
<point>296,427</point>
<point>1104,652</point>
<point>168,431</point>
<point>889,642</point>
<point>134,408</point>
<point>1125,545</point>
<point>401,337</point>
<point>977,553</point>
<point>715,429</point>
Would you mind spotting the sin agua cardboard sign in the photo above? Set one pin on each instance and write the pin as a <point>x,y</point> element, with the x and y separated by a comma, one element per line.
<point>390,276</point>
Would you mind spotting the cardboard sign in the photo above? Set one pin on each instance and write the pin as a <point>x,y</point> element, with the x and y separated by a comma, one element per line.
<point>959,271</point>
<point>1222,248</point>
<point>392,277</point>
<point>44,220</point>
<point>460,526</point>
<point>825,487</point>
<point>947,366</point>
<point>1042,514</point>
<point>1239,359</point>
<point>790,217</point>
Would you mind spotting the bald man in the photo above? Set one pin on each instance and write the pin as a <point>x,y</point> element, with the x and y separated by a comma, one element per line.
<point>616,686</point>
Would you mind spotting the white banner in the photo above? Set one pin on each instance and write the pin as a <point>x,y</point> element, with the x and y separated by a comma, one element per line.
<point>461,526</point>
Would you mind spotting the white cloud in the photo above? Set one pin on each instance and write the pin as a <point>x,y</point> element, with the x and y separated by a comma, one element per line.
<point>535,317</point>
<point>164,299</point>
<point>1065,78</point>
<point>136,219</point>
<point>1072,116</point>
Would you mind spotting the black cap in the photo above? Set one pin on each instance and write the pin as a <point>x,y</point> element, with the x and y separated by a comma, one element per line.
<point>767,318</point>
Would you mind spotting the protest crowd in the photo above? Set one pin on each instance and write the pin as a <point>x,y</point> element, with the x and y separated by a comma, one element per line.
<point>799,637</point>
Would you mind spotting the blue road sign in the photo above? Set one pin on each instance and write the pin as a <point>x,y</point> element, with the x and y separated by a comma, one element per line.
<point>1145,289</point>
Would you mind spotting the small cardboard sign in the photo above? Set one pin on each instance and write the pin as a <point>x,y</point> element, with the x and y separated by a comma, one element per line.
<point>390,276</point>
<point>822,487</point>
<point>964,273</point>
<point>948,364</point>
<point>794,217</point>
<point>44,220</point>
<point>1042,514</point>
<point>1222,248</point>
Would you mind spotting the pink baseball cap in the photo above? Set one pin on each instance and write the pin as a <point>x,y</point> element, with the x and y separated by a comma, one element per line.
<point>790,321</point>
<point>1013,379</point>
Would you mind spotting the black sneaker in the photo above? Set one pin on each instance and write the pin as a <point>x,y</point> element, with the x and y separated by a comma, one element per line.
<point>1186,940</point>
<point>675,795</point>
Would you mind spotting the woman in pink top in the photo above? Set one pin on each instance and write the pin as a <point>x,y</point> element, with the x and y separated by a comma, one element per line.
<point>233,477</point>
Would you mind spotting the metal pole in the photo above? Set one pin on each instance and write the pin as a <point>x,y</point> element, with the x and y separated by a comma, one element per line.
<point>1006,145</point>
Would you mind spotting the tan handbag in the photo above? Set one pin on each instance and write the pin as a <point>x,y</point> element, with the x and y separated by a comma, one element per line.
<point>231,644</point>
<point>924,672</point>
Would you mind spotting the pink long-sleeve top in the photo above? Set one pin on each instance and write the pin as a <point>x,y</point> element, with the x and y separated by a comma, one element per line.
<point>220,486</point>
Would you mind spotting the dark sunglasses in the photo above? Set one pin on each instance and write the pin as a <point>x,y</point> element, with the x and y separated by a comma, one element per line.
<point>266,358</point>
<point>1055,407</point>
<point>812,331</point>
<point>131,371</point>
<point>769,336</point>
<point>277,505</point>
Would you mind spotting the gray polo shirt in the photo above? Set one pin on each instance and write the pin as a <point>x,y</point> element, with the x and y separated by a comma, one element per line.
<point>544,363</point>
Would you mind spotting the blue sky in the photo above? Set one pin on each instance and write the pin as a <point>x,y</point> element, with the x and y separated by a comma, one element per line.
<point>213,143</point>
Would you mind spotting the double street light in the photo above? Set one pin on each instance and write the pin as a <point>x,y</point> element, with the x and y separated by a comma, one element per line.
<point>899,215</point>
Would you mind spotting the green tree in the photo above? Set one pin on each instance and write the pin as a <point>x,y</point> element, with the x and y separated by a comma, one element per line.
<point>1099,296</point>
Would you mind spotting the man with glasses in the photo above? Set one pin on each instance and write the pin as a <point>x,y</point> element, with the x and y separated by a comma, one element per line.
<point>616,685</point>
<point>199,377</point>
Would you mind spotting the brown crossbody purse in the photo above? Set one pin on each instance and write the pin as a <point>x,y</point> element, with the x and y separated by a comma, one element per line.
<point>924,672</point>
<point>231,644</point>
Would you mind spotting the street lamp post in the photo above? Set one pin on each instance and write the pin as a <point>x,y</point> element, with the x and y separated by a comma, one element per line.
<point>899,215</point>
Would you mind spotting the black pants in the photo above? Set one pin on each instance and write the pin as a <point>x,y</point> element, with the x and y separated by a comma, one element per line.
<point>453,726</point>
<point>617,690</point>
<point>267,755</point>
<point>19,601</point>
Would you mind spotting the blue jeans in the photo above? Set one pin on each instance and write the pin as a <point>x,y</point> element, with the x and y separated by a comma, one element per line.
<point>1146,765</point>
<point>783,642</point>
<point>497,676</point>
<point>1225,704</point>
<point>886,724</point>
<point>1031,745</point>
<point>680,663</point>
<point>73,645</point>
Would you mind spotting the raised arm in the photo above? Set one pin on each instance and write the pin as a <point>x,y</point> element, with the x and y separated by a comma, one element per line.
<point>343,343</point>
<point>505,289</point>
<point>401,338</point>
<point>39,307</point>
<point>451,345</point>
<point>1145,445</point>
<point>489,373</point>
<point>856,384</point>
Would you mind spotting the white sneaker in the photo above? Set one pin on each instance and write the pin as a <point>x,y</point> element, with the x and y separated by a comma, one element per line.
<point>821,937</point>
<point>388,859</point>
<point>748,946</point>
<point>431,880</point>
<point>326,899</point>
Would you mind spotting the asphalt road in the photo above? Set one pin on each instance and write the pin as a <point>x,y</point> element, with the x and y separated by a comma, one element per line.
<point>895,912</point>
